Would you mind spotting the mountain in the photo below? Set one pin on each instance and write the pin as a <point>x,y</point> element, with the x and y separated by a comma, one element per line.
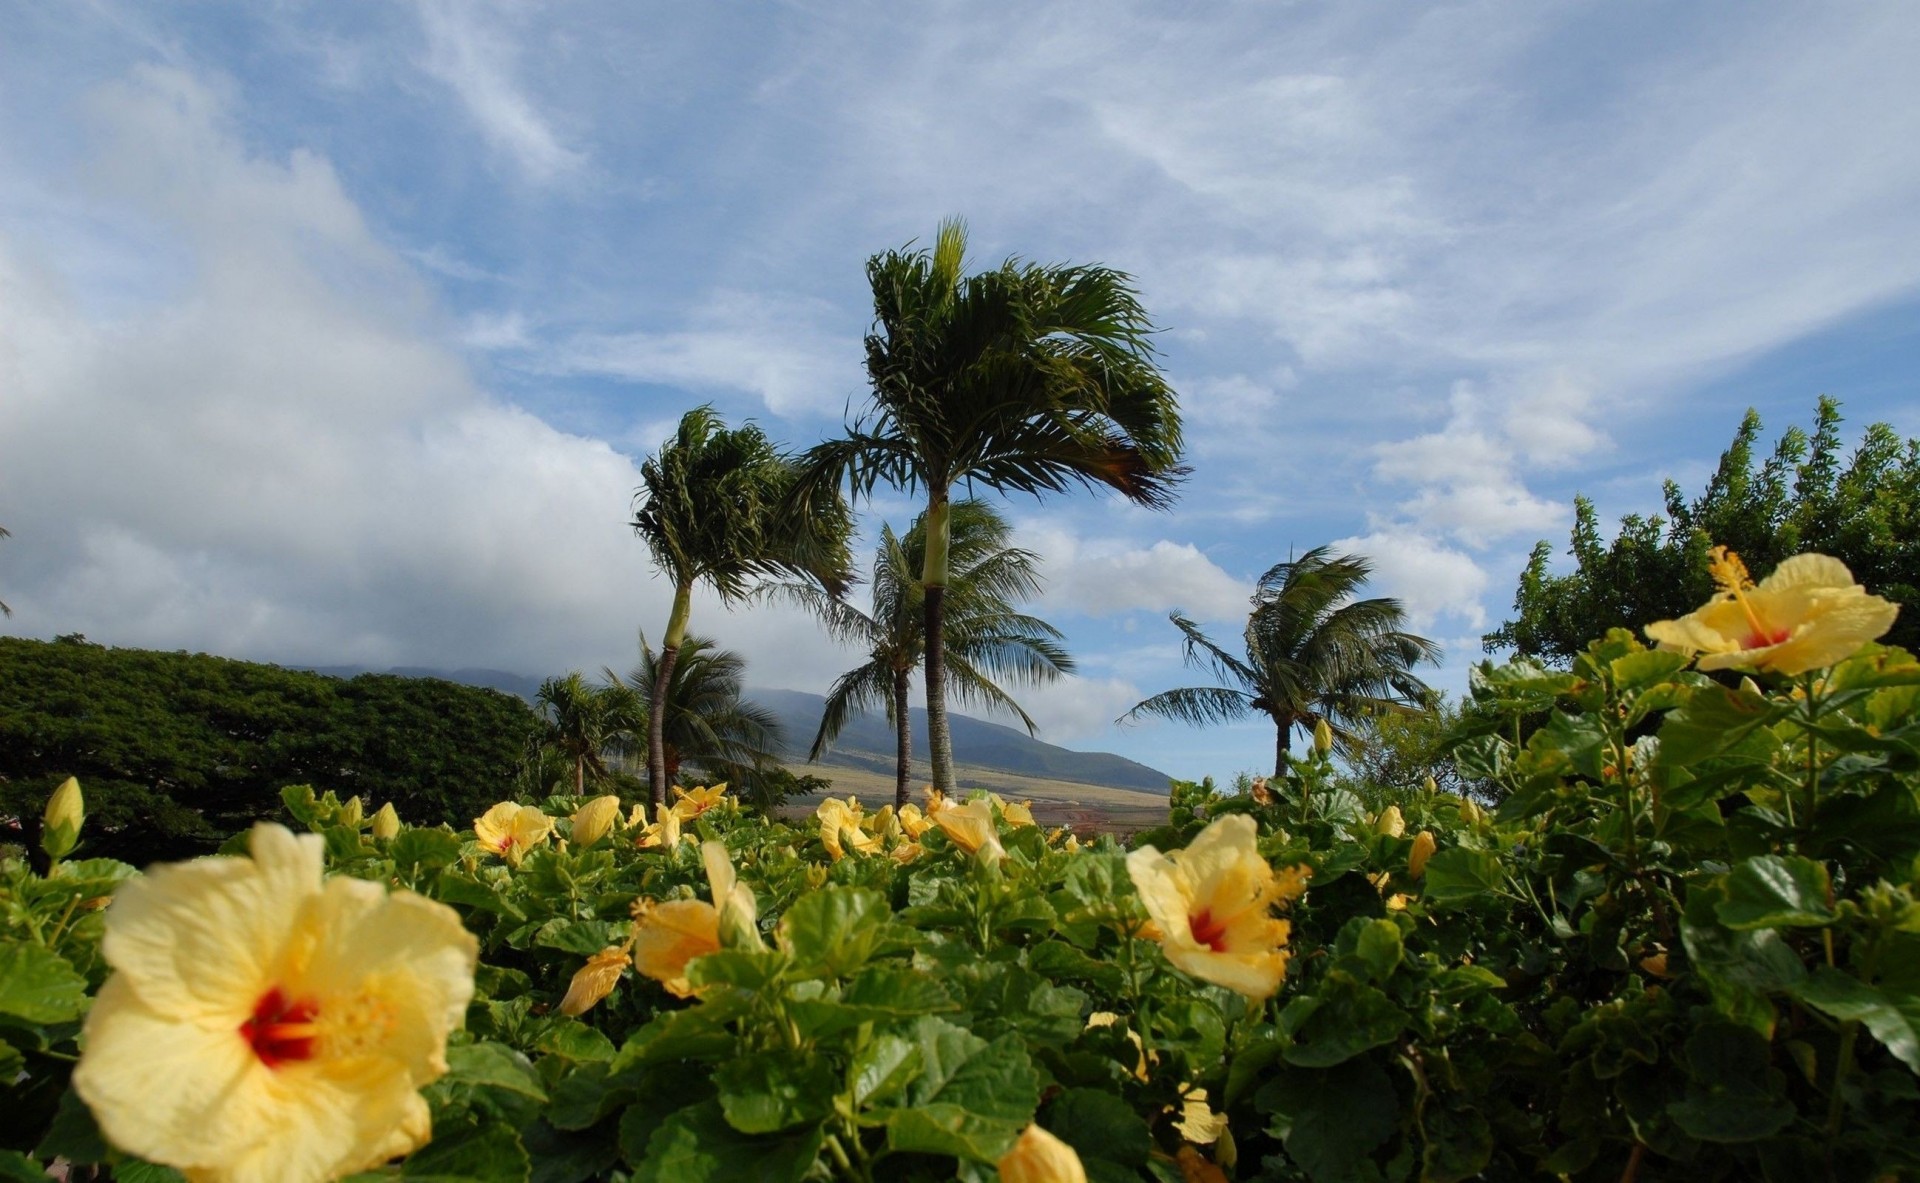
<point>868,742</point>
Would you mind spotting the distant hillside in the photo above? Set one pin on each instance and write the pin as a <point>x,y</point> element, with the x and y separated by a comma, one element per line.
<point>868,743</point>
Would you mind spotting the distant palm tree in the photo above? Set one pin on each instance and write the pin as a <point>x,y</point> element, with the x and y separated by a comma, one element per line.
<point>1313,653</point>
<point>580,722</point>
<point>1025,378</point>
<point>715,507</point>
<point>706,722</point>
<point>986,638</point>
<point>4,610</point>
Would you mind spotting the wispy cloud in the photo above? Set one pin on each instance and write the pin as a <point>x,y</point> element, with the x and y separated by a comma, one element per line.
<point>476,59</point>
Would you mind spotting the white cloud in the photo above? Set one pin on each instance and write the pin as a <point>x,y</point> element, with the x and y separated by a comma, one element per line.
<point>785,352</point>
<point>1078,708</point>
<point>476,61</point>
<point>282,463</point>
<point>1106,576</point>
<point>1433,581</point>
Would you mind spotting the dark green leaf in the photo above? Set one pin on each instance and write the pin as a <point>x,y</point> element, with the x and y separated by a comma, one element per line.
<point>494,1065</point>
<point>1772,890</point>
<point>1461,873</point>
<point>835,928</point>
<point>1893,1018</point>
<point>696,1145</point>
<point>38,985</point>
<point>767,1092</point>
<point>489,1153</point>
<point>1100,1125</point>
<point>1331,1121</point>
<point>1733,1093</point>
<point>1348,1019</point>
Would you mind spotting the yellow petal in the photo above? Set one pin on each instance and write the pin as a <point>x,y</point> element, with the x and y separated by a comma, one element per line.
<point>594,980</point>
<point>1198,1122</point>
<point>594,820</point>
<point>667,937</point>
<point>1039,1157</point>
<point>1423,848</point>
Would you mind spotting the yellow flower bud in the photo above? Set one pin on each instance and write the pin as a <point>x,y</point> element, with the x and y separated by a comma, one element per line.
<point>1390,823</point>
<point>351,813</point>
<point>1322,737</point>
<point>1429,787</point>
<point>1039,1157</point>
<point>66,813</point>
<point>386,823</point>
<point>595,820</point>
<point>1423,848</point>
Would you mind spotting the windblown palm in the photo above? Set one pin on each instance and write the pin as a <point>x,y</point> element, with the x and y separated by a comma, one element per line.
<point>1025,378</point>
<point>580,723</point>
<point>1314,652</point>
<point>987,641</point>
<point>706,723</point>
<point>716,505</point>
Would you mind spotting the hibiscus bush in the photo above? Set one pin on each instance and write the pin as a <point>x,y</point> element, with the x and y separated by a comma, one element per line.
<point>1686,945</point>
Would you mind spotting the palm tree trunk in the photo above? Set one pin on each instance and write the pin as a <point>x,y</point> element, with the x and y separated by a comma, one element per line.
<point>903,737</point>
<point>1281,749</point>
<point>934,580</point>
<point>580,775</point>
<point>657,772</point>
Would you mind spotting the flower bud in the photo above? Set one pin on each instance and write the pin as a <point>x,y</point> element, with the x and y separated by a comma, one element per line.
<point>594,820</point>
<point>1039,1157</point>
<point>1390,823</point>
<point>1322,738</point>
<point>1429,787</point>
<point>351,813</point>
<point>66,813</point>
<point>386,823</point>
<point>1423,848</point>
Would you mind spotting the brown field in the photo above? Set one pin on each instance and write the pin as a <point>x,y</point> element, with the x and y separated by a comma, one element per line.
<point>1088,809</point>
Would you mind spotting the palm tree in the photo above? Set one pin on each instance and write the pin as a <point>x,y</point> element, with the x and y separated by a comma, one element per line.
<point>705,721</point>
<point>1314,653</point>
<point>716,506</point>
<point>986,638</point>
<point>581,722</point>
<point>1025,378</point>
<point>4,610</point>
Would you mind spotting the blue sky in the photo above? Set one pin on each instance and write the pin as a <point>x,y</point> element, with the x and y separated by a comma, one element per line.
<point>334,333</point>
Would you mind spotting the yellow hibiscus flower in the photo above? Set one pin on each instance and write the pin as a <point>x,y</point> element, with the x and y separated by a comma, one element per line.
<point>594,820</point>
<point>840,830</point>
<point>1039,1157</point>
<point>264,1024</point>
<point>913,823</point>
<point>971,828</point>
<point>691,803</point>
<point>1807,615</point>
<point>1212,903</point>
<point>663,834</point>
<point>668,937</point>
<point>1423,848</point>
<point>510,830</point>
<point>595,980</point>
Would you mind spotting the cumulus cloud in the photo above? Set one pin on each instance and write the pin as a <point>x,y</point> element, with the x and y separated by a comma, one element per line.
<point>278,460</point>
<point>1107,576</point>
<point>476,62</point>
<point>1078,708</point>
<point>1435,582</point>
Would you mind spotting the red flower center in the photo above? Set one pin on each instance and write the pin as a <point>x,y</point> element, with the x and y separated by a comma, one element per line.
<point>280,1031</point>
<point>1763,639</point>
<point>1208,931</point>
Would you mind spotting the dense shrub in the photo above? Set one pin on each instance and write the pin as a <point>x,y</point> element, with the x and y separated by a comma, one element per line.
<point>1685,946</point>
<point>179,750</point>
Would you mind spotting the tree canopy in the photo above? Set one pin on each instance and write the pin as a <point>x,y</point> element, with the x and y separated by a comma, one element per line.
<point>176,751</point>
<point>1863,509</point>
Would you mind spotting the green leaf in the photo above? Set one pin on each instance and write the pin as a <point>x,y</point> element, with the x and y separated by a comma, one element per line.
<point>1461,873</point>
<point>899,992</point>
<point>1893,1018</point>
<point>696,1033</point>
<point>1733,1093</point>
<point>489,1153</point>
<point>767,1092</point>
<point>971,1097</point>
<point>456,887</point>
<point>1637,671</point>
<point>1331,1121</point>
<point>16,1167</point>
<point>425,850</point>
<point>882,1068</point>
<point>1346,1018</point>
<point>494,1065</point>
<point>38,985</point>
<point>696,1145</point>
<point>585,937</point>
<point>1374,944</point>
<point>1772,890</point>
<point>571,1039</point>
<point>835,928</point>
<point>1711,721</point>
<point>73,1134</point>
